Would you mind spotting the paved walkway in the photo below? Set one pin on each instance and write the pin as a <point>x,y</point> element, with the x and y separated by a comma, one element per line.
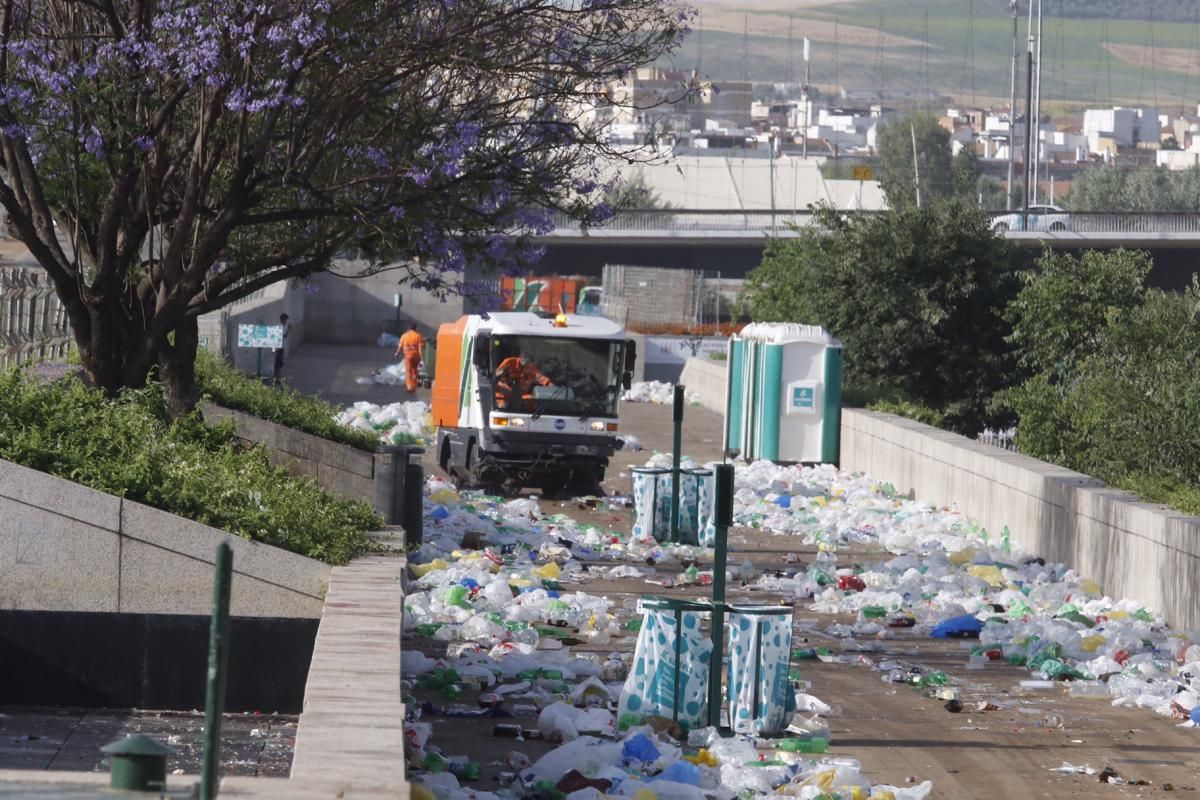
<point>331,372</point>
<point>350,740</point>
<point>20,784</point>
<point>352,727</point>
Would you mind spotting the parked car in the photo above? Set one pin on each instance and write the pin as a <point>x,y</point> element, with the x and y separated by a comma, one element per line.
<point>1041,218</point>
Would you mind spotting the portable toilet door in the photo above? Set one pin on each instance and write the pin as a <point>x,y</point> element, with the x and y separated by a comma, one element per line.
<point>783,394</point>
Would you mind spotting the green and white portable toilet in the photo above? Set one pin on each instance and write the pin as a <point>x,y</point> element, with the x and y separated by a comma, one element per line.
<point>783,394</point>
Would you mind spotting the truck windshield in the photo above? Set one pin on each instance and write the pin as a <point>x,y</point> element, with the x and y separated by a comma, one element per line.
<point>557,376</point>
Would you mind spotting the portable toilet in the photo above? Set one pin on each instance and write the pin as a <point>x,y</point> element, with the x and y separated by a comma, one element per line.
<point>783,394</point>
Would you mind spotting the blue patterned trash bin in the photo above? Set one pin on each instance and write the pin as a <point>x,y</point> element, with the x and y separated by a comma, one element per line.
<point>760,646</point>
<point>701,515</point>
<point>652,503</point>
<point>689,506</point>
<point>669,677</point>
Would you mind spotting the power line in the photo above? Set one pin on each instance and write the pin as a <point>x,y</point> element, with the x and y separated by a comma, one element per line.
<point>1194,57</point>
<point>745,47</point>
<point>968,55</point>
<point>791,51</point>
<point>1108,66</point>
<point>1142,69</point>
<point>879,81</point>
<point>1153,61</point>
<point>836,37</point>
<point>1060,45</point>
<point>925,55</point>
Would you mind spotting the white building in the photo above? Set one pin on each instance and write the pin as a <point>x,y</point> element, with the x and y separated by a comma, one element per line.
<point>1110,128</point>
<point>996,134</point>
<point>745,183</point>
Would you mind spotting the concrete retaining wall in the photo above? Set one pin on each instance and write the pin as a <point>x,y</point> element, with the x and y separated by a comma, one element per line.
<point>337,467</point>
<point>706,378</point>
<point>1135,550</point>
<point>70,548</point>
<point>1138,550</point>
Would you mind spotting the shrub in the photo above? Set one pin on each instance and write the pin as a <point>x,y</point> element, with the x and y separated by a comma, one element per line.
<point>131,448</point>
<point>910,410</point>
<point>225,386</point>
<point>1127,412</point>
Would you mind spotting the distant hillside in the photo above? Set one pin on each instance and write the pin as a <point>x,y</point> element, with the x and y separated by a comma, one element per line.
<point>1094,52</point>
<point>1165,10</point>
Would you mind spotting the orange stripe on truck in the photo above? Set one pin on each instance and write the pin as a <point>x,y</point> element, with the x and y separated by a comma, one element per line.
<point>447,374</point>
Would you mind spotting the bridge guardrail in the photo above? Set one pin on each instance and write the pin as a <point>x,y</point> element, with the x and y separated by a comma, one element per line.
<point>765,221</point>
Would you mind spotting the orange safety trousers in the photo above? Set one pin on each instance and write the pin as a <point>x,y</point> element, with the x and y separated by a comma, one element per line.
<point>412,365</point>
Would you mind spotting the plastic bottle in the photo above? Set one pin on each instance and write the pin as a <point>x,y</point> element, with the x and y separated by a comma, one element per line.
<point>457,596</point>
<point>434,763</point>
<point>466,772</point>
<point>793,745</point>
<point>507,731</point>
<point>934,679</point>
<point>1088,689</point>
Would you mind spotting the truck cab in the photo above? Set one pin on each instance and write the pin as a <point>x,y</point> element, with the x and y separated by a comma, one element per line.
<point>529,400</point>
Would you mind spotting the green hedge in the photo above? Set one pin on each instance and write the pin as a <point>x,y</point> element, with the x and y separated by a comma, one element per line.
<point>227,387</point>
<point>890,400</point>
<point>131,448</point>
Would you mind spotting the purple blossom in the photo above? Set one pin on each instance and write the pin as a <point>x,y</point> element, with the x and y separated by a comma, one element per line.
<point>93,142</point>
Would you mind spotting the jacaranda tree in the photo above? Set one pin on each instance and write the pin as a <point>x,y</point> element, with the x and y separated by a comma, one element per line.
<point>163,158</point>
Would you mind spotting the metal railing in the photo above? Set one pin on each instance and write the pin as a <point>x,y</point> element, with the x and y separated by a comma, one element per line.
<point>780,221</point>
<point>1005,440</point>
<point>33,322</point>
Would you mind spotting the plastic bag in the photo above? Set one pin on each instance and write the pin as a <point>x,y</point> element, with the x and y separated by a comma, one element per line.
<point>760,641</point>
<point>651,503</point>
<point>655,680</point>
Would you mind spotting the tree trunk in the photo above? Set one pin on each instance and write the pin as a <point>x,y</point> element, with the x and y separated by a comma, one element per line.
<point>177,369</point>
<point>102,351</point>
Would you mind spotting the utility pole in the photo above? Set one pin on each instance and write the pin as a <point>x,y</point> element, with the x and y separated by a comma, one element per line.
<point>1028,122</point>
<point>916,162</point>
<point>1037,108</point>
<point>1012,110</point>
<point>771,168</point>
<point>807,104</point>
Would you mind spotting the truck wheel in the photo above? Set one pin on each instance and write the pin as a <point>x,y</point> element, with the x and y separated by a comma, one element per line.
<point>585,483</point>
<point>461,476</point>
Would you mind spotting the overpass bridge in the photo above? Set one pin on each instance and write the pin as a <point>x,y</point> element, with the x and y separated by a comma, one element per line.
<point>732,241</point>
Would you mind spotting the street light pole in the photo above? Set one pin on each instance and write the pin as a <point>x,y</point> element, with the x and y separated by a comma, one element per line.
<point>1012,110</point>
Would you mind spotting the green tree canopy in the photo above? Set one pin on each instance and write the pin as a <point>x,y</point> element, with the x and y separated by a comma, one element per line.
<point>895,146</point>
<point>965,170</point>
<point>1147,189</point>
<point>914,294</point>
<point>1065,304</point>
<point>1127,411</point>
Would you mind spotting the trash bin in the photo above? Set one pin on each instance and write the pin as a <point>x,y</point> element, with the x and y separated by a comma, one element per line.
<point>784,394</point>
<point>413,509</point>
<point>400,488</point>
<point>697,523</point>
<point>652,502</point>
<point>760,645</point>
<point>669,676</point>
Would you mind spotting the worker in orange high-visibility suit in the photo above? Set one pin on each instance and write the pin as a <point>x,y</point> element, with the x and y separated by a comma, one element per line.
<point>515,378</point>
<point>412,347</point>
